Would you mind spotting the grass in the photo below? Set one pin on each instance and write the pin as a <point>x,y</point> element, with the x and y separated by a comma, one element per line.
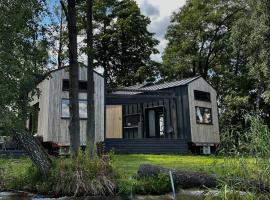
<point>14,173</point>
<point>127,165</point>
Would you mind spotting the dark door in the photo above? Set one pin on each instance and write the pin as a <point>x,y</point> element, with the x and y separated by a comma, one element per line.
<point>155,122</point>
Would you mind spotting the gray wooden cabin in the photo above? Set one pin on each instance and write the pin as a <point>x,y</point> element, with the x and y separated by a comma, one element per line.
<point>50,119</point>
<point>175,117</point>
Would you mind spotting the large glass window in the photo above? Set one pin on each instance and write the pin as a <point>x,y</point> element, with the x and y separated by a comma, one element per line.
<point>202,96</point>
<point>82,108</point>
<point>203,115</point>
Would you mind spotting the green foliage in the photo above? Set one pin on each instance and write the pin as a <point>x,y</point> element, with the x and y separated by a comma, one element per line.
<point>198,39</point>
<point>253,140</point>
<point>147,185</point>
<point>259,134</point>
<point>227,42</point>
<point>23,57</point>
<point>122,44</point>
<point>20,174</point>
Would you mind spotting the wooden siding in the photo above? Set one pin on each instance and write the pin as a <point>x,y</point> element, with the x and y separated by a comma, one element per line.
<point>153,145</point>
<point>114,121</point>
<point>203,133</point>
<point>55,129</point>
<point>182,111</point>
<point>43,114</point>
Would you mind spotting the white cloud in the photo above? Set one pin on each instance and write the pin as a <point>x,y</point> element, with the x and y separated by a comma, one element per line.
<point>160,19</point>
<point>149,9</point>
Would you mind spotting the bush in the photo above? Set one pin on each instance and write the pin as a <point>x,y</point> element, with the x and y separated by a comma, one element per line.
<point>82,176</point>
<point>147,185</point>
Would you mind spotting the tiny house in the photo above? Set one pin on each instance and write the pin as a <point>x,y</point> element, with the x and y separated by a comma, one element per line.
<point>175,117</point>
<point>50,119</point>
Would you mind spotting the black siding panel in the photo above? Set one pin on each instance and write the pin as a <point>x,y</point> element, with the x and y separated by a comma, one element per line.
<point>155,145</point>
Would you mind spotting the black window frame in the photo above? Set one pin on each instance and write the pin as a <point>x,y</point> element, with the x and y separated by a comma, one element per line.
<point>211,115</point>
<point>66,85</point>
<point>132,115</point>
<point>198,96</point>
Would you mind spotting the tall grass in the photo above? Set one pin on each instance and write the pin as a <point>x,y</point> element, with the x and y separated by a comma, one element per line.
<point>254,143</point>
<point>79,177</point>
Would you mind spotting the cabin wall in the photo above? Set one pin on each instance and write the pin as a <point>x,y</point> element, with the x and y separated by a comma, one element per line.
<point>182,111</point>
<point>43,113</point>
<point>58,131</point>
<point>203,133</point>
<point>140,131</point>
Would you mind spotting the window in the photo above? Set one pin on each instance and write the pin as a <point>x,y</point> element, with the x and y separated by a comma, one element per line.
<point>33,119</point>
<point>203,115</point>
<point>161,124</point>
<point>132,120</point>
<point>82,85</point>
<point>202,96</point>
<point>65,85</point>
<point>82,108</point>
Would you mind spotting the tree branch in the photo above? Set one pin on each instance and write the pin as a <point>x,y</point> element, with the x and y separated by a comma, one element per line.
<point>64,8</point>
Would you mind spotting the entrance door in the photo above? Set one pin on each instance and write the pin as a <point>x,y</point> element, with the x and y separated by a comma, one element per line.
<point>114,122</point>
<point>155,122</point>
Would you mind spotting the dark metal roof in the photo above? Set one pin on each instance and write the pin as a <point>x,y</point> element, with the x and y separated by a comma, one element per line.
<point>171,84</point>
<point>156,87</point>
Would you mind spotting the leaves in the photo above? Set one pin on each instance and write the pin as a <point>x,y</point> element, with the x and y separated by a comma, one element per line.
<point>23,56</point>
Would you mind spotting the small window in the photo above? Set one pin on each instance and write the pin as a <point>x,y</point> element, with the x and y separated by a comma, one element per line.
<point>65,85</point>
<point>202,96</point>
<point>82,85</point>
<point>132,120</point>
<point>203,115</point>
<point>82,108</point>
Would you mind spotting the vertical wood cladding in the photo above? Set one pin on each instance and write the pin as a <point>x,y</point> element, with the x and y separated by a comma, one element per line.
<point>54,128</point>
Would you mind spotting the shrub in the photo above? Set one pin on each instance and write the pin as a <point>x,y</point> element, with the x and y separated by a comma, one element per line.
<point>79,177</point>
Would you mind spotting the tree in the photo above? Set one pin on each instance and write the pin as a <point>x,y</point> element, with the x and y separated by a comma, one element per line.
<point>23,60</point>
<point>199,38</point>
<point>122,43</point>
<point>251,37</point>
<point>74,125</point>
<point>200,43</point>
<point>90,81</point>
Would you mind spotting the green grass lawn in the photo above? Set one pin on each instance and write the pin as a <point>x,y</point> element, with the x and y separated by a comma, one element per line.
<point>127,165</point>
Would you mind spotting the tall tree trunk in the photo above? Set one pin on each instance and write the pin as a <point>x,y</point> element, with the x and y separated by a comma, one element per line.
<point>74,125</point>
<point>90,81</point>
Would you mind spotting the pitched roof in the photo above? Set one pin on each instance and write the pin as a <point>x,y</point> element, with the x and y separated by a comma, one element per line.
<point>155,87</point>
<point>170,84</point>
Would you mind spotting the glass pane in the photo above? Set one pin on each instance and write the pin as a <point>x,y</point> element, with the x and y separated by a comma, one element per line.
<point>161,124</point>
<point>203,115</point>
<point>83,109</point>
<point>132,120</point>
<point>202,96</point>
<point>65,108</point>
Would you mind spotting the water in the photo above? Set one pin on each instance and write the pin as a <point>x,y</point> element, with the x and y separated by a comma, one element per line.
<point>184,195</point>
